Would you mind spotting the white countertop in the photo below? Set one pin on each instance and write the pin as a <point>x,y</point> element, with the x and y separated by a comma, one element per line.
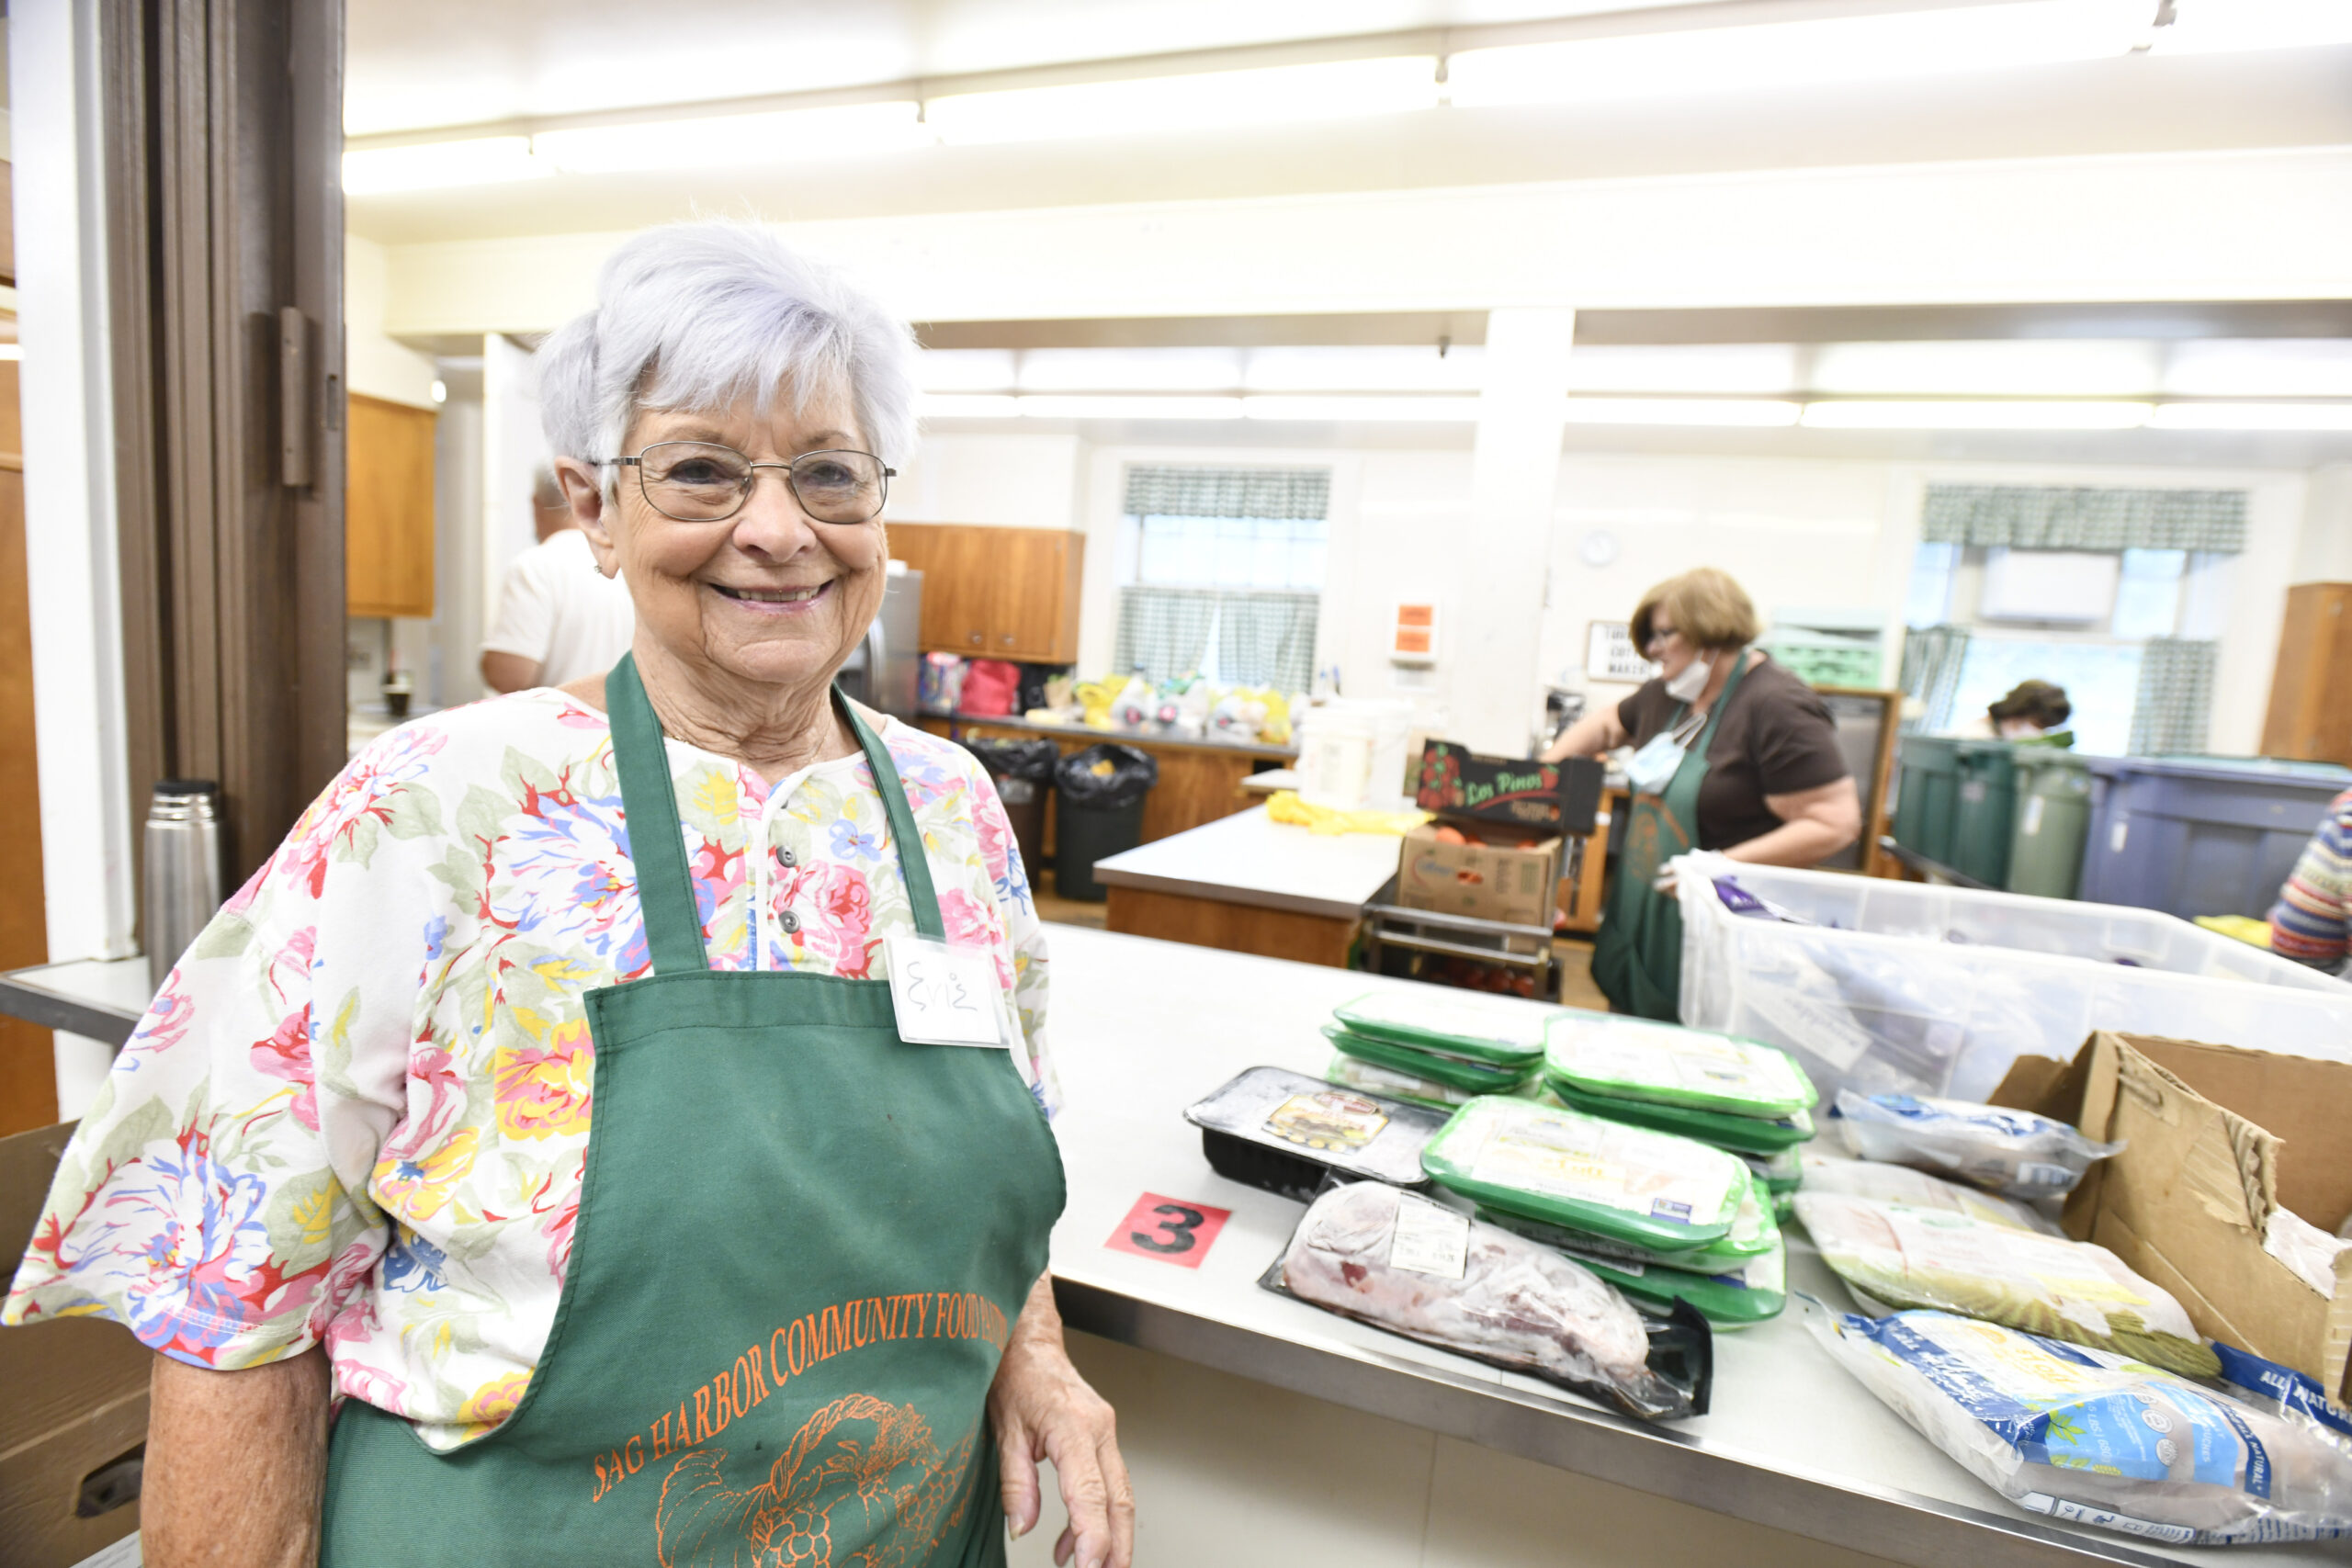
<point>1247,858</point>
<point>1791,1441</point>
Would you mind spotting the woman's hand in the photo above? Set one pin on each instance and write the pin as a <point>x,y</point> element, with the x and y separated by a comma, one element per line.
<point>236,1464</point>
<point>1041,1409</point>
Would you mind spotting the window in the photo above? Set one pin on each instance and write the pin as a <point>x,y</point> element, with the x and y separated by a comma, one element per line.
<point>1231,552</point>
<point>1225,574</point>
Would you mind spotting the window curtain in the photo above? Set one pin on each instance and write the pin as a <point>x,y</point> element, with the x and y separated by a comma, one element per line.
<point>1228,492</point>
<point>2040,518</point>
<point>1164,632</point>
<point>2175,696</point>
<point>1931,660</point>
<point>1267,639</point>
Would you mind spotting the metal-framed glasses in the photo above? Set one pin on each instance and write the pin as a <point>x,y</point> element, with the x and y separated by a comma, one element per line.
<point>702,481</point>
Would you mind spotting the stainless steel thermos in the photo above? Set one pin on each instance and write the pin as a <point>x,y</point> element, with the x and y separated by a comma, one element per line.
<point>182,869</point>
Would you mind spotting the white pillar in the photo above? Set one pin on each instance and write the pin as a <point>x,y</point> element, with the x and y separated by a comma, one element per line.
<point>1499,567</point>
<point>513,445</point>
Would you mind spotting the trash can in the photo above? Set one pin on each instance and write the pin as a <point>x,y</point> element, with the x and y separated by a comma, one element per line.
<point>2053,819</point>
<point>1023,772</point>
<point>1983,810</point>
<point>2201,835</point>
<point>1102,790</point>
<point>1927,781</point>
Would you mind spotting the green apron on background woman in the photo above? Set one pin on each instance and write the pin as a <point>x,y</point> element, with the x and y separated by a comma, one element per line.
<point>1637,956</point>
<point>801,1243</point>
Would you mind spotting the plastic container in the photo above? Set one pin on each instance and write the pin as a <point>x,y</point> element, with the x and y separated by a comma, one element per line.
<point>1509,1034</point>
<point>1781,1172</point>
<point>1287,1133</point>
<point>2201,835</point>
<point>1631,1058</point>
<point>1456,1072</point>
<point>1754,1234</point>
<point>1352,753</point>
<point>1102,790</point>
<point>1927,794</point>
<point>2053,821</point>
<point>1984,811</point>
<point>1753,1291</point>
<point>1349,1072</point>
<point>1905,987</point>
<point>1629,1184</point>
<point>1737,1134</point>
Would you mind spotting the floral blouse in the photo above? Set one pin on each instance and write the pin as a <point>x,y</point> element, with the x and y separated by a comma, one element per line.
<point>357,1112</point>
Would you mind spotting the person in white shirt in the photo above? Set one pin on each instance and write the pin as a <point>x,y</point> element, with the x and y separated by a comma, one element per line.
<point>559,617</point>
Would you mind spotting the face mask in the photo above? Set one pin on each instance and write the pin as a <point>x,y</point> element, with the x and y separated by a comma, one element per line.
<point>1686,687</point>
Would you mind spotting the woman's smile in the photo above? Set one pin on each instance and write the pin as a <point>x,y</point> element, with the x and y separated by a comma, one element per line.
<point>776,603</point>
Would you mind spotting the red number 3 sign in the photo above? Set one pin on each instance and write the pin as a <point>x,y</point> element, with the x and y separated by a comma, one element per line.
<point>1170,1230</point>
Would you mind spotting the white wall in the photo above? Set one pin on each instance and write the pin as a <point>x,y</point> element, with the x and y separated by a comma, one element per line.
<point>2323,543</point>
<point>375,365</point>
<point>513,446</point>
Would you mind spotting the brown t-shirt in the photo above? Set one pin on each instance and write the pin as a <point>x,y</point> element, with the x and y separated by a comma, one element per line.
<point>1776,737</point>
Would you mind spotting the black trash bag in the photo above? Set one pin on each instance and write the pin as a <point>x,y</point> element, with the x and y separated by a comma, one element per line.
<point>1031,760</point>
<point>1105,776</point>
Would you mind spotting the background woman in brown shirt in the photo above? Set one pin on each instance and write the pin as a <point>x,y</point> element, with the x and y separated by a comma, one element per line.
<point>1731,753</point>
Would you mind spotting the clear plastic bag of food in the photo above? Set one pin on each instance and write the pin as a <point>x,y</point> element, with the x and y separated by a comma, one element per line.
<point>1903,1257</point>
<point>2014,1152</point>
<point>2098,1438</point>
<point>1431,1273</point>
<point>1915,1188</point>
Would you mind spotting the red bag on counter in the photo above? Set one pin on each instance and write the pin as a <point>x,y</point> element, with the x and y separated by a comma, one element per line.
<point>990,688</point>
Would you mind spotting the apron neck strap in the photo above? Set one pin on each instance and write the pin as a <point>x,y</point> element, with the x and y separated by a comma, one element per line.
<point>1723,699</point>
<point>665,886</point>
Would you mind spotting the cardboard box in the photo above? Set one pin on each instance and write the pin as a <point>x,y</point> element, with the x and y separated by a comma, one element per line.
<point>2219,1140</point>
<point>73,1417</point>
<point>1512,879</point>
<point>1455,781</point>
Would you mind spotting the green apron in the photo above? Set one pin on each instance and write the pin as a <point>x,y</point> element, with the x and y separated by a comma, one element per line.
<point>801,1243</point>
<point>1637,956</point>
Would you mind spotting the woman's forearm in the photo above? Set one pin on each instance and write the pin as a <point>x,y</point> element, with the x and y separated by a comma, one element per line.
<point>1803,842</point>
<point>236,1464</point>
<point>1588,737</point>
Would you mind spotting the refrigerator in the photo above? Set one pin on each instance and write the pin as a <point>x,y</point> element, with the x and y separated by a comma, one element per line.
<point>882,672</point>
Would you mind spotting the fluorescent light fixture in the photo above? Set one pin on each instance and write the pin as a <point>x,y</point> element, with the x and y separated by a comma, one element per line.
<point>1691,62</point>
<point>1128,408</point>
<point>2260,367</point>
<point>1990,413</point>
<point>966,370</point>
<point>1339,411</point>
<point>436,166</point>
<point>1683,368</point>
<point>1736,411</point>
<point>718,141</point>
<point>934,405</point>
<point>2202,27</point>
<point>1130,369</point>
<point>2057,368</point>
<point>1205,100</point>
<point>2252,416</point>
<point>1363,367</point>
<point>12,351</point>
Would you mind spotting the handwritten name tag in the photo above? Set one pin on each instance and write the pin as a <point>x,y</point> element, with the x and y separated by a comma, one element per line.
<point>943,994</point>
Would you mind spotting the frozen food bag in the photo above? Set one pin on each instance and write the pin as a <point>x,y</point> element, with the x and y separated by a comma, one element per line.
<point>1915,1188</point>
<point>2014,1152</point>
<point>2073,1291</point>
<point>2093,1438</point>
<point>1287,1133</point>
<point>1632,1058</point>
<point>1416,1267</point>
<point>1653,1189</point>
<point>1438,1018</point>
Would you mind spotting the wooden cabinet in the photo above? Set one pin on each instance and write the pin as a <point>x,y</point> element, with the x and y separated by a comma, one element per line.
<point>995,593</point>
<point>387,509</point>
<point>2310,690</point>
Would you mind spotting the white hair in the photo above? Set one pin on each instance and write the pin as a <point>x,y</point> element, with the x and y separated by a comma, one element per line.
<point>703,315</point>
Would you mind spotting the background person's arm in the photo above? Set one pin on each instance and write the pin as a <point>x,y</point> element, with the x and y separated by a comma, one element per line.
<point>509,671</point>
<point>1596,732</point>
<point>1815,825</point>
<point>236,1464</point>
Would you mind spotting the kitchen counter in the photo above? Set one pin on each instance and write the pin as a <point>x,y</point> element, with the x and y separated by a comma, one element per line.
<point>99,998</point>
<point>1793,1442</point>
<point>1248,884</point>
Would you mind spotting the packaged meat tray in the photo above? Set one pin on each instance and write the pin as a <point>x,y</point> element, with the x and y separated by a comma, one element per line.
<point>1630,1184</point>
<point>2065,1290</point>
<point>1632,1058</point>
<point>1755,1233</point>
<point>1783,1173</point>
<point>1462,1023</point>
<point>1349,1072</point>
<point>1458,1072</point>
<point>1431,1273</point>
<point>1740,1134</point>
<point>1917,1190</point>
<point>2091,1437</point>
<point>1287,1133</point>
<point>1754,1293</point>
<point>2014,1152</point>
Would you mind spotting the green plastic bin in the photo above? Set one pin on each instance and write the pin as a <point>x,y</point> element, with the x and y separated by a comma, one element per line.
<point>1926,788</point>
<point>1984,811</point>
<point>2053,821</point>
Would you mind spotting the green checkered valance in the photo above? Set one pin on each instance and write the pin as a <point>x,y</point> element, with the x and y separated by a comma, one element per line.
<point>2039,517</point>
<point>1228,492</point>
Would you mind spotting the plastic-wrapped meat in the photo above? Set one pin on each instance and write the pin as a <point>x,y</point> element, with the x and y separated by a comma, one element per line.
<point>1515,1303</point>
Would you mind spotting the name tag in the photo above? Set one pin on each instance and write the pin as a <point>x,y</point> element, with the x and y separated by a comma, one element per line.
<point>943,994</point>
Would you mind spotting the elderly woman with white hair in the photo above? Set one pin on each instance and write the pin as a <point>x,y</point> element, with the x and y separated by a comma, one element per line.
<point>585,1093</point>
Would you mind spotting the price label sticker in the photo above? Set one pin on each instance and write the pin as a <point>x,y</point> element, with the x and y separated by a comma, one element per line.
<point>1169,1229</point>
<point>942,994</point>
<point>1430,1238</point>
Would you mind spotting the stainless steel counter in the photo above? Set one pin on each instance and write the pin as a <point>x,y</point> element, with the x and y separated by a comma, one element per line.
<point>101,998</point>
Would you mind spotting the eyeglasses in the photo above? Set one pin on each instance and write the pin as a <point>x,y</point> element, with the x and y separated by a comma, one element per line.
<point>1659,635</point>
<point>701,481</point>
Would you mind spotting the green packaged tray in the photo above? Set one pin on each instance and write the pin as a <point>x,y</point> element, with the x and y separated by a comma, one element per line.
<point>1461,1023</point>
<point>1457,1072</point>
<point>1755,1231</point>
<point>1587,1173</point>
<point>1728,1295</point>
<point>1349,1072</point>
<point>1663,1064</point>
<point>1781,1173</point>
<point>1740,1134</point>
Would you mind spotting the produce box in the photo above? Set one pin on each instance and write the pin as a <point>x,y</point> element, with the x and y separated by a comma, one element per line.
<point>1453,781</point>
<point>1514,880</point>
<point>73,1419</point>
<point>2202,1201</point>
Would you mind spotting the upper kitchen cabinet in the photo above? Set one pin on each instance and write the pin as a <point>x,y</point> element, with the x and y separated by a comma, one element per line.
<point>995,593</point>
<point>387,509</point>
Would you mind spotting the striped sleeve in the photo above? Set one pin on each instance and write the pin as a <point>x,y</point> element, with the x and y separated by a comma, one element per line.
<point>2309,923</point>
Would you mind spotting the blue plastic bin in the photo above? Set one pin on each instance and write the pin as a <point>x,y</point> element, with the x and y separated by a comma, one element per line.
<point>2200,835</point>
